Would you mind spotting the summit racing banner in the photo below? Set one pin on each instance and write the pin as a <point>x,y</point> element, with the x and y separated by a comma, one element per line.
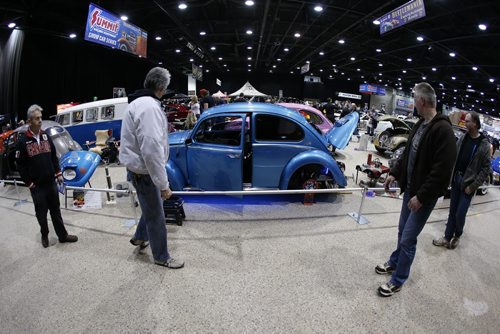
<point>109,30</point>
<point>402,15</point>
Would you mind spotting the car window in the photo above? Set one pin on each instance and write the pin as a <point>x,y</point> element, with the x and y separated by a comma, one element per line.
<point>311,117</point>
<point>63,119</point>
<point>77,116</point>
<point>91,115</point>
<point>221,130</point>
<point>108,112</point>
<point>276,128</point>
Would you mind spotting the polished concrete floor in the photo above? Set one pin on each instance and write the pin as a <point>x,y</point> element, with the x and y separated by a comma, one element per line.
<point>253,264</point>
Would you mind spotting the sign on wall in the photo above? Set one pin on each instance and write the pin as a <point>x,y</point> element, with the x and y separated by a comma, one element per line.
<point>410,11</point>
<point>107,29</point>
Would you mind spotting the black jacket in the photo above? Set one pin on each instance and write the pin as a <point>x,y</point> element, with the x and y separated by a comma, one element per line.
<point>479,168</point>
<point>37,163</point>
<point>434,161</point>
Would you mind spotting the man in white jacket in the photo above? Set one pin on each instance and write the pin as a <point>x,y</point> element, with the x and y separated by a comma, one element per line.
<point>144,151</point>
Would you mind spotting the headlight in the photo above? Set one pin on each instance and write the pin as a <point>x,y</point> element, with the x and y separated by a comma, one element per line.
<point>69,174</point>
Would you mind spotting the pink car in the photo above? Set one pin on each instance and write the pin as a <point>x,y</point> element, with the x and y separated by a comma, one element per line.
<point>312,115</point>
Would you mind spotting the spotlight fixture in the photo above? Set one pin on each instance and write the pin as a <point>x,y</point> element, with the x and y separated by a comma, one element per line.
<point>452,54</point>
<point>72,35</point>
<point>182,6</point>
<point>482,27</point>
<point>492,80</point>
<point>321,53</point>
<point>249,32</point>
<point>220,58</point>
<point>279,59</point>
<point>353,58</point>
<point>474,68</point>
<point>160,63</point>
<point>177,50</point>
<point>286,49</point>
<point>191,59</point>
<point>409,59</point>
<point>202,33</point>
<point>420,38</point>
<point>296,35</point>
<point>124,18</point>
<point>378,50</point>
<point>453,78</point>
<point>425,78</point>
<point>212,48</point>
<point>318,8</point>
<point>249,58</point>
<point>341,41</point>
<point>11,25</point>
<point>376,22</point>
<point>434,69</point>
<point>249,48</point>
<point>158,38</point>
<point>249,3</point>
<point>404,71</point>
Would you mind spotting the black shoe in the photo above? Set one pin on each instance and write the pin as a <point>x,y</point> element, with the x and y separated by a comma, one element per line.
<point>388,289</point>
<point>141,243</point>
<point>384,269</point>
<point>69,238</point>
<point>45,241</point>
<point>454,242</point>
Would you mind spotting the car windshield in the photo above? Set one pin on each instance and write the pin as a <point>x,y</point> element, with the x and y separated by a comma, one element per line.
<point>62,140</point>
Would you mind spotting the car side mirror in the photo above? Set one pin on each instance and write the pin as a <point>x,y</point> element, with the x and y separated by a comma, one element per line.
<point>188,141</point>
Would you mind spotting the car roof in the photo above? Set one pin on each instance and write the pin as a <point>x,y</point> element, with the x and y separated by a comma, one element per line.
<point>298,106</point>
<point>254,107</point>
<point>45,125</point>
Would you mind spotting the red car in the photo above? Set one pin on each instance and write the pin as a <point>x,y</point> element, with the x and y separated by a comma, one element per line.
<point>176,114</point>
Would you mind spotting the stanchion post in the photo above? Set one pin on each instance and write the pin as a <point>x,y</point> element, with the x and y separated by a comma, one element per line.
<point>19,200</point>
<point>110,186</point>
<point>357,215</point>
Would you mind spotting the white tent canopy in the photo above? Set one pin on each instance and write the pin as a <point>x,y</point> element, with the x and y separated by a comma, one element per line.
<point>219,94</point>
<point>248,90</point>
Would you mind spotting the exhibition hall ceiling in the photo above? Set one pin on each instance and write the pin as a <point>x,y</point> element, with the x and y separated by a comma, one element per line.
<point>455,46</point>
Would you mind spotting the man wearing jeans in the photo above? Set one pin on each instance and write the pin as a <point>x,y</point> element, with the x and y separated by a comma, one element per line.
<point>144,151</point>
<point>423,173</point>
<point>471,170</point>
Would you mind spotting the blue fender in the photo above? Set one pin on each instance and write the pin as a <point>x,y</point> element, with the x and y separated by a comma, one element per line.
<point>83,163</point>
<point>175,176</point>
<point>315,157</point>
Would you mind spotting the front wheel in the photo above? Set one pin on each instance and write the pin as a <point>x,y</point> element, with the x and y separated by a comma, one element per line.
<point>312,177</point>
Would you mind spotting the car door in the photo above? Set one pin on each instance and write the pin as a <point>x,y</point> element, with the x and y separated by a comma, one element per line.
<point>214,155</point>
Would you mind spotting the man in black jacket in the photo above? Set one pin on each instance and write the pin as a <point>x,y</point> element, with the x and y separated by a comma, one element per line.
<point>472,169</point>
<point>423,173</point>
<point>39,168</point>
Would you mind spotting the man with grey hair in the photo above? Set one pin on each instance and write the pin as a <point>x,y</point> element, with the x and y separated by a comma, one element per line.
<point>144,151</point>
<point>423,173</point>
<point>39,168</point>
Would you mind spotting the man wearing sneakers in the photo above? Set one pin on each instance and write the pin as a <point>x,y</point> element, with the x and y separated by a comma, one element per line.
<point>423,172</point>
<point>472,168</point>
<point>144,151</point>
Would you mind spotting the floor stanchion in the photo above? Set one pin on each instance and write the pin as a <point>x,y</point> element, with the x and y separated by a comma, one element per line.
<point>357,216</point>
<point>19,200</point>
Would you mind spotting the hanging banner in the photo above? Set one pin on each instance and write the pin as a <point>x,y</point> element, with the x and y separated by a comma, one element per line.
<point>350,96</point>
<point>107,29</point>
<point>218,82</point>
<point>304,68</point>
<point>197,72</point>
<point>371,89</point>
<point>402,15</point>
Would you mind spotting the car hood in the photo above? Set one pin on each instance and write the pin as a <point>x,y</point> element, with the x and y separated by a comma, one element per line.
<point>179,137</point>
<point>342,130</point>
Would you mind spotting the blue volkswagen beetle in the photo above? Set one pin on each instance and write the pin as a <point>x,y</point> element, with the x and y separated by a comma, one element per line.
<point>252,146</point>
<point>77,165</point>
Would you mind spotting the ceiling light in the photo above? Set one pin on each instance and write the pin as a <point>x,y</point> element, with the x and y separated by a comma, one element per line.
<point>321,53</point>
<point>160,63</point>
<point>274,66</point>
<point>330,76</point>
<point>420,38</point>
<point>291,72</point>
<point>220,58</point>
<point>380,81</point>
<point>349,79</point>
<point>492,80</point>
<point>225,65</point>
<point>425,78</point>
<point>353,58</point>
<point>124,18</point>
<point>334,65</point>
<point>404,71</point>
<point>474,68</point>
<point>321,70</point>
<point>249,32</point>
<point>453,78</point>
<point>297,35</point>
<point>358,69</point>
<point>342,73</point>
<point>212,48</point>
<point>376,22</point>
<point>227,70</point>
<point>482,26</point>
<point>341,41</point>
<point>72,35</point>
<point>249,48</point>
<point>177,50</point>
<point>492,100</point>
<point>380,64</point>
<point>249,65</point>
<point>202,33</point>
<point>279,59</point>
<point>207,70</point>
<point>298,68</point>
<point>307,61</point>
<point>469,86</point>
<point>249,3</point>
<point>286,49</point>
<point>378,50</point>
<point>434,69</point>
<point>399,79</point>
<point>409,59</point>
<point>249,70</point>
<point>182,6</point>
<point>452,54</point>
<point>191,59</point>
<point>201,65</point>
<point>455,90</point>
<point>380,74</point>
<point>318,8</point>
<point>11,25</point>
<point>158,38</point>
<point>249,58</point>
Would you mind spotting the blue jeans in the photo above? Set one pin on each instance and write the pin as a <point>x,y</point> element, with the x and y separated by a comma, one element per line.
<point>410,225</point>
<point>459,205</point>
<point>152,223</point>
